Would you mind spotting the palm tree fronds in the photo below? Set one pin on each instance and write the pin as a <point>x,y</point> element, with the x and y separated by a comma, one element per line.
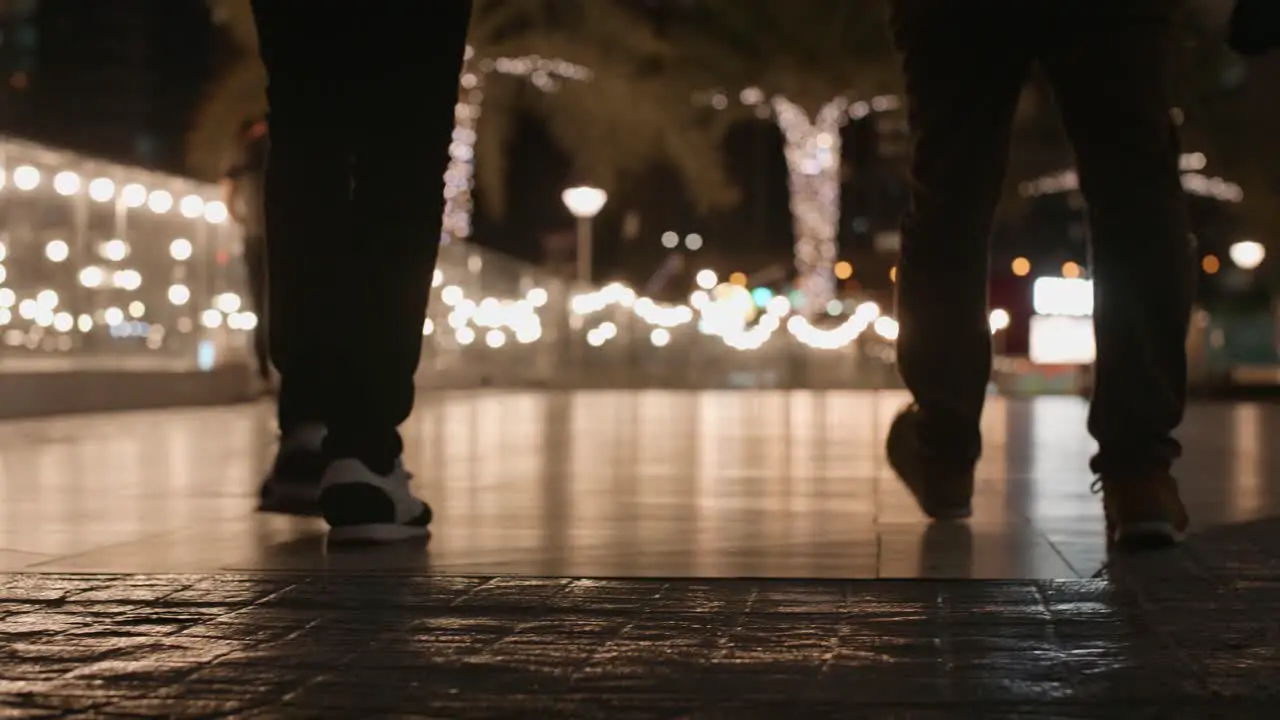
<point>239,93</point>
<point>493,138</point>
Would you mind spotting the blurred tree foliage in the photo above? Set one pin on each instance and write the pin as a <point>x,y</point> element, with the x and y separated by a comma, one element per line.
<point>623,120</point>
<point>809,51</point>
<point>627,118</point>
<point>1232,111</point>
<point>638,109</point>
<point>1039,145</point>
<point>236,92</point>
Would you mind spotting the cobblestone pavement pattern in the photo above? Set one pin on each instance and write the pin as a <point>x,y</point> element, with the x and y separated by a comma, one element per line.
<point>1186,634</point>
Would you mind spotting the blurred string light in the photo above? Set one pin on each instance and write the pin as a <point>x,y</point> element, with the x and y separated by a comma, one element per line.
<point>813,153</point>
<point>740,318</point>
<point>101,271</point>
<point>546,74</point>
<point>1194,182</point>
<point>729,313</point>
<point>68,183</point>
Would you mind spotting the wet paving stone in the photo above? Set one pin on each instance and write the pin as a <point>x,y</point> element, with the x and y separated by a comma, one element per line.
<point>1191,633</point>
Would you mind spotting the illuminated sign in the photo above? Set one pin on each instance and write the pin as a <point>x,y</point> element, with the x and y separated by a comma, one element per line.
<point>1061,340</point>
<point>1068,297</point>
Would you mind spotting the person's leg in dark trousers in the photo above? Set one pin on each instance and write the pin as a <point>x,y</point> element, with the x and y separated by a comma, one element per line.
<point>368,102</point>
<point>964,73</point>
<point>1110,65</point>
<point>255,265</point>
<point>307,201</point>
<point>409,59</point>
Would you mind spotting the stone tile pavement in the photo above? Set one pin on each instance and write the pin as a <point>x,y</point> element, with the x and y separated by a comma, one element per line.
<point>773,484</point>
<point>1191,633</point>
<point>145,585</point>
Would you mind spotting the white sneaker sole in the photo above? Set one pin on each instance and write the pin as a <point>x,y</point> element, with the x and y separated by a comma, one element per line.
<point>364,507</point>
<point>376,533</point>
<point>1148,535</point>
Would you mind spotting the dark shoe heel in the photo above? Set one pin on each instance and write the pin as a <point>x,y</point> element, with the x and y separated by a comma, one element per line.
<point>942,492</point>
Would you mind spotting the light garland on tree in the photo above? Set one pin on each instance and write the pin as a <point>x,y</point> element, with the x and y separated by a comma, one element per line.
<point>813,149</point>
<point>459,177</point>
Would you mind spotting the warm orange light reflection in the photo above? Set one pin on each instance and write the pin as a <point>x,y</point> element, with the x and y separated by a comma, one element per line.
<point>893,274</point>
<point>1070,270</point>
<point>1210,264</point>
<point>843,270</point>
<point>739,279</point>
<point>1021,266</point>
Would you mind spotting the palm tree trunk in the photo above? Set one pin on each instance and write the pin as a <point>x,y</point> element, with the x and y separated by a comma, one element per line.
<point>459,176</point>
<point>813,148</point>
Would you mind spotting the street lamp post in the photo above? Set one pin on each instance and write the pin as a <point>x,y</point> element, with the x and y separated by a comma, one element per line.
<point>584,203</point>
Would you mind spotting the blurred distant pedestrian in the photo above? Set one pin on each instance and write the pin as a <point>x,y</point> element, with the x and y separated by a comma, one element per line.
<point>362,99</point>
<point>242,189</point>
<point>1109,64</point>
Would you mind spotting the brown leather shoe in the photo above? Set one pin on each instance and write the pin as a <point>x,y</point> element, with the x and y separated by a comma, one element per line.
<point>943,492</point>
<point>1144,512</point>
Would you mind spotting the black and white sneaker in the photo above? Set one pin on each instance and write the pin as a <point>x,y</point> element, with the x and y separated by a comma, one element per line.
<point>362,506</point>
<point>293,485</point>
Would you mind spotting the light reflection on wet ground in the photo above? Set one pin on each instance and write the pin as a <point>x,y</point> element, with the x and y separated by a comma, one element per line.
<point>603,483</point>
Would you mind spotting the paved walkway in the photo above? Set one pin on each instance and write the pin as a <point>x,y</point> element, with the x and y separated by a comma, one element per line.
<point>141,583</point>
<point>618,484</point>
<point>1190,634</point>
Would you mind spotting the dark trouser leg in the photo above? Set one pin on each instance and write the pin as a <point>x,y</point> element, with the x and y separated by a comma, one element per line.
<point>1110,69</point>
<point>964,75</point>
<point>409,58</point>
<point>308,197</point>
<point>255,265</point>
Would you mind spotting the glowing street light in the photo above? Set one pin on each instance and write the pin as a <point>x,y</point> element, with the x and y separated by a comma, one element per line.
<point>584,203</point>
<point>1000,320</point>
<point>1247,254</point>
